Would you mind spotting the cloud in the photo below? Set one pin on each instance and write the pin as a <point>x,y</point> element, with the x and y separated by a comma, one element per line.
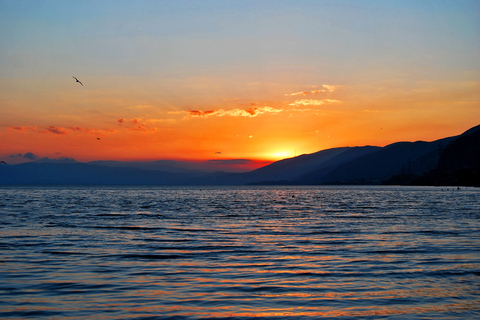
<point>133,121</point>
<point>28,155</point>
<point>249,112</point>
<point>325,88</point>
<point>23,128</point>
<point>33,157</point>
<point>136,124</point>
<point>297,93</point>
<point>313,102</point>
<point>233,161</point>
<point>59,130</point>
<point>143,128</point>
<point>49,129</point>
<point>199,113</point>
<point>330,88</point>
<point>57,160</point>
<point>56,130</point>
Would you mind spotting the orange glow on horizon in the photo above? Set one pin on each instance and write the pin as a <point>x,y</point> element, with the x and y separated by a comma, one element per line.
<point>278,126</point>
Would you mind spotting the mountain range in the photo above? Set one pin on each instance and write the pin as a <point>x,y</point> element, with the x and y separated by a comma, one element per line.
<point>448,161</point>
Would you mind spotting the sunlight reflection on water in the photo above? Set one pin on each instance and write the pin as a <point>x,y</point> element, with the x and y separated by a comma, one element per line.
<point>119,252</point>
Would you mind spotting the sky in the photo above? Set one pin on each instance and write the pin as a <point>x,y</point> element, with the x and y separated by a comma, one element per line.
<point>261,80</point>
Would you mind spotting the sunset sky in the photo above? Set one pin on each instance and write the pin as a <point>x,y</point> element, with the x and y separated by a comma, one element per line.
<point>262,80</point>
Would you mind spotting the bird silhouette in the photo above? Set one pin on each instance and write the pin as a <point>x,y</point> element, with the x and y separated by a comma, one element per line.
<point>3,162</point>
<point>218,152</point>
<point>77,80</point>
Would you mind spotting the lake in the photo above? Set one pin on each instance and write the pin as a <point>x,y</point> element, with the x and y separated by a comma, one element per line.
<point>239,252</point>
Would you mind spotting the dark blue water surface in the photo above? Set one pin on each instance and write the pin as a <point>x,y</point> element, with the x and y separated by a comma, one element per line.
<point>239,252</point>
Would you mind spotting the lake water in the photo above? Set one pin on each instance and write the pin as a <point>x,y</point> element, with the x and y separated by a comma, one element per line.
<point>239,252</point>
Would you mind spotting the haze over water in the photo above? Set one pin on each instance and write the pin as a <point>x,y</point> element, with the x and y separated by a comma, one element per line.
<point>239,252</point>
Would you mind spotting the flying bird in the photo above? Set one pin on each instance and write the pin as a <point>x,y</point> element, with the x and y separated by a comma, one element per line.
<point>218,152</point>
<point>3,162</point>
<point>77,80</point>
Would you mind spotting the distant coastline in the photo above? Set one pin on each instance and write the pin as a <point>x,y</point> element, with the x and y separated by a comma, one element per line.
<point>451,161</point>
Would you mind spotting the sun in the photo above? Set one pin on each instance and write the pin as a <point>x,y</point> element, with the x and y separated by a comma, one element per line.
<point>281,154</point>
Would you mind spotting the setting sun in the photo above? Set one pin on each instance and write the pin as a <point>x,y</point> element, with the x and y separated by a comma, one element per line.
<point>281,155</point>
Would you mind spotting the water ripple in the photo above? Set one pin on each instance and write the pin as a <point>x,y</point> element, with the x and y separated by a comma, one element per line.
<point>239,253</point>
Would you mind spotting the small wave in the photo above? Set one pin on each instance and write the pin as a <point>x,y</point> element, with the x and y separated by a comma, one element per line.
<point>149,256</point>
<point>66,253</point>
<point>23,314</point>
<point>439,232</point>
<point>132,228</point>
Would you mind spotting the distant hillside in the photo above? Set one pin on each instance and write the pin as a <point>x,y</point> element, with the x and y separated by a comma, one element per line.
<point>401,157</point>
<point>459,163</point>
<point>397,163</point>
<point>80,173</point>
<point>308,168</point>
<point>448,161</point>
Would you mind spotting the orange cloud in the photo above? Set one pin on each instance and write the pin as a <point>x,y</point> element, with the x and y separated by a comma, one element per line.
<point>250,112</point>
<point>313,102</point>
<point>55,130</point>
<point>49,129</point>
<point>138,125</point>
<point>25,128</point>
<point>297,93</point>
<point>143,128</point>
<point>326,88</point>
<point>59,130</point>
<point>199,113</point>
<point>330,88</point>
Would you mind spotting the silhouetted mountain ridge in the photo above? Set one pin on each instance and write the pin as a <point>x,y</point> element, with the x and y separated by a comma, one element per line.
<point>459,163</point>
<point>450,161</point>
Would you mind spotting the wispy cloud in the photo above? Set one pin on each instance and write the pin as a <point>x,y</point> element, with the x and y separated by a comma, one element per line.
<point>23,129</point>
<point>56,130</point>
<point>298,93</point>
<point>249,112</point>
<point>313,102</point>
<point>28,156</point>
<point>134,121</point>
<point>233,161</point>
<point>143,128</point>
<point>200,113</point>
<point>59,130</point>
<point>49,129</point>
<point>330,88</point>
<point>137,125</point>
<point>325,88</point>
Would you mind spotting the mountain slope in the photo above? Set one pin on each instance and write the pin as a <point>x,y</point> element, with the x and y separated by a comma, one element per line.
<point>459,163</point>
<point>401,157</point>
<point>293,168</point>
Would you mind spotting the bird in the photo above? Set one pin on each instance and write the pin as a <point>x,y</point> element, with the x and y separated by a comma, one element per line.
<point>218,152</point>
<point>98,138</point>
<point>77,80</point>
<point>3,162</point>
